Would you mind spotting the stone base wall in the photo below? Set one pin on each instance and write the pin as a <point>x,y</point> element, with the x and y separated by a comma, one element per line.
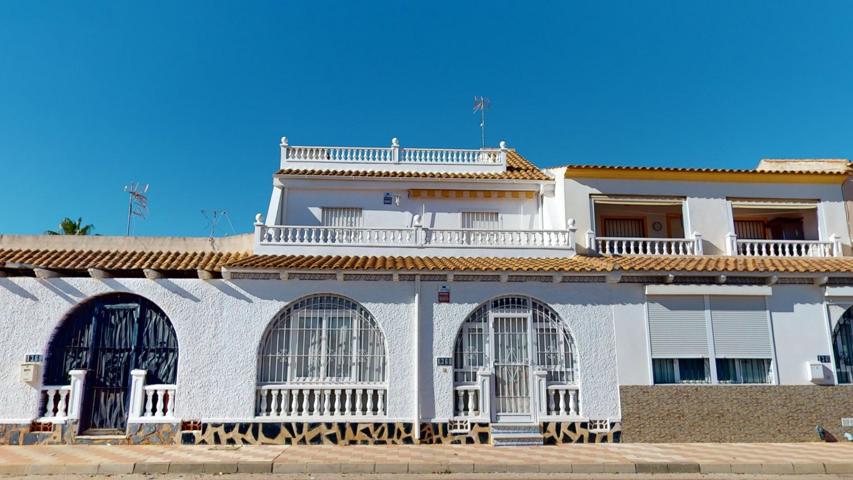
<point>560,433</point>
<point>65,434</point>
<point>733,413</point>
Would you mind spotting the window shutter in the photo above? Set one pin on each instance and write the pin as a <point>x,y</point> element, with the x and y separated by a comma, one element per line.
<point>341,217</point>
<point>677,327</point>
<point>740,327</point>
<point>481,220</point>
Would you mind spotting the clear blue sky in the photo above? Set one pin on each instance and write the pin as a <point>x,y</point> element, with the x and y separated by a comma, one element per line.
<point>192,97</point>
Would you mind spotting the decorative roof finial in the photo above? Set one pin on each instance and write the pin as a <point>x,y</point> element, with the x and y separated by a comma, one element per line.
<point>283,141</point>
<point>259,219</point>
<point>503,145</point>
<point>395,142</point>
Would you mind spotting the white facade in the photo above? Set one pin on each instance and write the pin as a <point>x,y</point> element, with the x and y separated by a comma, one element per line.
<point>471,206</point>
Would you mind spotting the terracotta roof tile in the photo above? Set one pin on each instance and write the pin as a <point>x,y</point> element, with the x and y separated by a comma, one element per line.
<point>636,168</point>
<point>114,260</point>
<point>577,264</point>
<point>517,168</point>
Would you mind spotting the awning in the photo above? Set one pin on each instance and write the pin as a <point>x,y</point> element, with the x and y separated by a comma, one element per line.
<point>655,201</point>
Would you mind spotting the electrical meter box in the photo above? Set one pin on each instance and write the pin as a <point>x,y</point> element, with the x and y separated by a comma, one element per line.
<point>819,374</point>
<point>31,369</point>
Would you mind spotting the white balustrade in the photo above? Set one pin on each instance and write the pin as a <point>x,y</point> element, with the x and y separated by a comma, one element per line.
<point>341,154</point>
<point>159,402</point>
<point>306,235</point>
<point>647,246</point>
<point>786,248</point>
<point>394,154</point>
<point>449,155</point>
<point>59,403</point>
<point>562,400</point>
<point>321,401</point>
<point>56,401</point>
<point>412,237</point>
<point>466,400</point>
<point>464,237</point>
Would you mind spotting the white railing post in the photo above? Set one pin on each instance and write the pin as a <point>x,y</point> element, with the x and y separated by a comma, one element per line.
<point>75,401</point>
<point>836,245</point>
<point>484,381</point>
<point>259,229</point>
<point>590,241</point>
<point>698,249</point>
<point>285,150</point>
<point>395,150</point>
<point>572,228</point>
<point>502,155</point>
<point>136,408</point>
<point>540,399</point>
<point>731,244</point>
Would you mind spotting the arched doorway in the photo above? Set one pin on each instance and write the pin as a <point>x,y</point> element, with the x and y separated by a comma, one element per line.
<point>108,336</point>
<point>515,337</point>
<point>842,346</point>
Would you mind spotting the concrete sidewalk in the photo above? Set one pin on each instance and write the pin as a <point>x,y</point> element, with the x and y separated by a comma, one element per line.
<point>800,458</point>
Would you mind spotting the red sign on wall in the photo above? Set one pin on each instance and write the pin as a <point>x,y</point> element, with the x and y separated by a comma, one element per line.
<point>444,294</point>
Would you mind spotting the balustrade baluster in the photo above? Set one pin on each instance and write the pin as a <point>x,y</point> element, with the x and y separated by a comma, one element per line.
<point>149,403</point>
<point>370,402</point>
<point>337,401</point>
<point>263,395</point>
<point>316,409</point>
<point>551,404</point>
<point>573,402</point>
<point>348,404</point>
<point>62,406</point>
<point>472,402</point>
<point>294,402</point>
<point>380,402</point>
<point>161,404</point>
<point>562,402</point>
<point>306,402</point>
<point>170,403</point>
<point>358,405</point>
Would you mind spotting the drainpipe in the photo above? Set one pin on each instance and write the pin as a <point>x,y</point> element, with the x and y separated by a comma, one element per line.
<point>416,428</point>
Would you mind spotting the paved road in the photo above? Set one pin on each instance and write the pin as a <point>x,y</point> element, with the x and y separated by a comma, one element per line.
<point>452,476</point>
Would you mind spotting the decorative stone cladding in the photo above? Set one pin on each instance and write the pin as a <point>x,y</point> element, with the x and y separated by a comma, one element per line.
<point>560,433</point>
<point>64,434</point>
<point>730,413</point>
<point>295,433</point>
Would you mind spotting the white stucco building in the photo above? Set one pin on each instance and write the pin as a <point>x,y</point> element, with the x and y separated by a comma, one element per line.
<point>419,295</point>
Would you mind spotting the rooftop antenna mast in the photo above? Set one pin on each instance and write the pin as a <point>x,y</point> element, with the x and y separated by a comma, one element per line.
<point>480,105</point>
<point>214,217</point>
<point>137,202</point>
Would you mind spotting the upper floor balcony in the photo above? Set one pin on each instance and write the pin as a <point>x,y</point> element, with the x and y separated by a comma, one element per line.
<point>773,228</point>
<point>414,240</point>
<point>394,158</point>
<point>640,226</point>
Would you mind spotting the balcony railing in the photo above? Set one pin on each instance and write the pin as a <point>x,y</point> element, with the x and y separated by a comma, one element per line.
<point>412,237</point>
<point>332,401</point>
<point>60,403</point>
<point>150,403</point>
<point>644,246</point>
<point>393,154</point>
<point>783,248</point>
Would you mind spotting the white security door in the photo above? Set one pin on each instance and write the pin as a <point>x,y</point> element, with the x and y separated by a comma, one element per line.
<point>511,353</point>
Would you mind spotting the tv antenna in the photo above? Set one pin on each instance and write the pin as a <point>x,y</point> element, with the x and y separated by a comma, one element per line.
<point>214,217</point>
<point>137,202</point>
<point>480,105</point>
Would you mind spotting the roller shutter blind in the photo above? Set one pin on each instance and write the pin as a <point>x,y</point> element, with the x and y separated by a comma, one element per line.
<point>677,327</point>
<point>740,327</point>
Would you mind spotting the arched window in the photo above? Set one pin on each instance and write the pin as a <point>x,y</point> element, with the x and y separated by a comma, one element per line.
<point>322,339</point>
<point>842,343</point>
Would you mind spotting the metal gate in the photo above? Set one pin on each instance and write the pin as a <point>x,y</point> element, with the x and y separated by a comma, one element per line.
<point>511,341</point>
<point>110,336</point>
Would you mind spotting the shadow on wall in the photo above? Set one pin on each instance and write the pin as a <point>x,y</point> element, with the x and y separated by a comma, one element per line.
<point>63,289</point>
<point>16,289</point>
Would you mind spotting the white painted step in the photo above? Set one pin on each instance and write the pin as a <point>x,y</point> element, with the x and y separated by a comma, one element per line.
<point>516,434</point>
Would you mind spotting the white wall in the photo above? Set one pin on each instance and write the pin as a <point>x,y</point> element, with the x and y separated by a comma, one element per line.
<point>798,327</point>
<point>219,326</point>
<point>707,209</point>
<point>304,208</point>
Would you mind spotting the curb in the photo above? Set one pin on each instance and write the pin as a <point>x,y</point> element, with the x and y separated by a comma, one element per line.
<point>428,468</point>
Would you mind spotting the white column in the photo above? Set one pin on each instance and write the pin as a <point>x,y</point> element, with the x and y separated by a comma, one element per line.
<point>540,400</point>
<point>75,402</point>
<point>699,249</point>
<point>137,393</point>
<point>731,244</point>
<point>836,245</point>
<point>484,380</point>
